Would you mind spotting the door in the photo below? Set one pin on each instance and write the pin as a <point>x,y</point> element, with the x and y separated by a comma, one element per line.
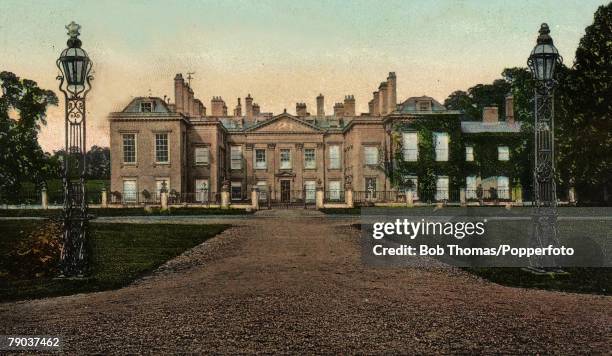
<point>285,191</point>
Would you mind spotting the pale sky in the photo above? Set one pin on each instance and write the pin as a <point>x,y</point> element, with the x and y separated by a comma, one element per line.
<point>282,52</point>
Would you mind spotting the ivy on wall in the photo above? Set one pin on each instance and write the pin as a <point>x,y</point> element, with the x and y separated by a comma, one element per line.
<point>426,168</point>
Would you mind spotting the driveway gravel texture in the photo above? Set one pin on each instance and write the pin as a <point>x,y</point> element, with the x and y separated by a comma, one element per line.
<point>292,281</point>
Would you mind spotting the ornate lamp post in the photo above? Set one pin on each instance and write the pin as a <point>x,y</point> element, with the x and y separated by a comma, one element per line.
<point>542,62</point>
<point>75,83</point>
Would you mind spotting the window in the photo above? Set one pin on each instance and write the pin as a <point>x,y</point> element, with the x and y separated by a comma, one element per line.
<point>441,144</point>
<point>423,105</point>
<point>130,194</point>
<point>309,158</point>
<point>503,153</point>
<point>310,186</point>
<point>334,190</point>
<point>334,157</point>
<point>370,184</point>
<point>469,153</point>
<point>442,188</point>
<point>263,190</point>
<point>201,190</point>
<point>285,159</point>
<point>146,107</point>
<point>260,159</point>
<point>201,155</point>
<point>236,190</point>
<point>159,183</point>
<point>161,148</point>
<point>236,157</point>
<point>503,187</point>
<point>411,183</point>
<point>410,146</point>
<point>470,187</point>
<point>371,155</point>
<point>129,148</point>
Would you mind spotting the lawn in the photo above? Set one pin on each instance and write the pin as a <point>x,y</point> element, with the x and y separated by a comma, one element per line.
<point>136,211</point>
<point>120,253</point>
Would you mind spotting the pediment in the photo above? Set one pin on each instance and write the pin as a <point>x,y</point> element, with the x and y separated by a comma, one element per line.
<point>284,123</point>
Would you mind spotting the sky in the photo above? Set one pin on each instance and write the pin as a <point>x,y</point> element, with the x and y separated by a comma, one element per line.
<point>282,51</point>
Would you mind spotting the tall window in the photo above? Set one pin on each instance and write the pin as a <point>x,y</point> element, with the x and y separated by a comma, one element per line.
<point>470,187</point>
<point>130,194</point>
<point>309,158</point>
<point>371,155</point>
<point>201,190</point>
<point>236,190</point>
<point>469,153</point>
<point>503,187</point>
<point>414,187</point>
<point>310,186</point>
<point>370,184</point>
<point>503,153</point>
<point>236,156</point>
<point>263,190</point>
<point>442,188</point>
<point>441,144</point>
<point>410,149</point>
<point>260,159</point>
<point>159,183</point>
<point>285,159</point>
<point>334,157</point>
<point>201,155</point>
<point>334,190</point>
<point>129,148</point>
<point>161,148</point>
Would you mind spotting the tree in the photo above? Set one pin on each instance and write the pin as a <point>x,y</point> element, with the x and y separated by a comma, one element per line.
<point>477,97</point>
<point>98,162</point>
<point>587,124</point>
<point>23,110</point>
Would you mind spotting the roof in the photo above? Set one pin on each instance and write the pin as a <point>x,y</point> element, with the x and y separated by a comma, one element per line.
<point>500,126</point>
<point>159,105</point>
<point>409,106</point>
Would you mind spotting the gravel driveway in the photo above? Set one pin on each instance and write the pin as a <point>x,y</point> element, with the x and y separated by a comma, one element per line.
<point>292,282</point>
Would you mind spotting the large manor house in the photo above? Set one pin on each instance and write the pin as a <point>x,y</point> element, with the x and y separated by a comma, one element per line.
<point>195,151</point>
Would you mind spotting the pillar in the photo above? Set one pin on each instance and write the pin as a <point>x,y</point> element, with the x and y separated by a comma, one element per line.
<point>104,199</point>
<point>571,195</point>
<point>164,199</point>
<point>348,196</point>
<point>462,199</point>
<point>410,198</point>
<point>255,198</point>
<point>517,193</point>
<point>225,195</point>
<point>319,197</point>
<point>44,200</point>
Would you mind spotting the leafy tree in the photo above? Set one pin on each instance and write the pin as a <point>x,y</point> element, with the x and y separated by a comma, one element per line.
<point>98,162</point>
<point>23,108</point>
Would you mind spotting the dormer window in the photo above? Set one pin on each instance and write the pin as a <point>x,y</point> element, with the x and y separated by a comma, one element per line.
<point>424,105</point>
<point>146,107</point>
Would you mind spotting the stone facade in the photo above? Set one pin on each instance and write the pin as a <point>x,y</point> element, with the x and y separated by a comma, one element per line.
<point>154,142</point>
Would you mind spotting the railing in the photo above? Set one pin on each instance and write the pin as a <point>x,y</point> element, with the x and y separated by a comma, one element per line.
<point>334,196</point>
<point>491,194</point>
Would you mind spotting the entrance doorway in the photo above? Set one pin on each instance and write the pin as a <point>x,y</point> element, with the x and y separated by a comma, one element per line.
<point>285,191</point>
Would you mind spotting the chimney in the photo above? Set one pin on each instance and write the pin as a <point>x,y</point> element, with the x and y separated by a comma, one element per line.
<point>216,106</point>
<point>338,109</point>
<point>238,109</point>
<point>249,107</point>
<point>349,105</point>
<point>300,109</point>
<point>490,114</point>
<point>320,105</point>
<point>179,83</point>
<point>510,108</point>
<point>383,98</point>
<point>190,103</point>
<point>256,110</point>
<point>376,104</point>
<point>371,107</point>
<point>224,109</point>
<point>391,92</point>
<point>197,108</point>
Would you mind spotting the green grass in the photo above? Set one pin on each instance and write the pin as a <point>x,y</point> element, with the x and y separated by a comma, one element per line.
<point>136,211</point>
<point>120,253</point>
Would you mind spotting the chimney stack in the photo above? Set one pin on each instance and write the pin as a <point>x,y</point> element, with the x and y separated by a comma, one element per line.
<point>510,108</point>
<point>338,109</point>
<point>190,102</point>
<point>371,107</point>
<point>490,114</point>
<point>376,104</point>
<point>197,108</point>
<point>179,83</point>
<point>217,106</point>
<point>300,109</point>
<point>349,105</point>
<point>238,109</point>
<point>320,105</point>
<point>391,92</point>
<point>249,107</point>
<point>383,98</point>
<point>256,110</point>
